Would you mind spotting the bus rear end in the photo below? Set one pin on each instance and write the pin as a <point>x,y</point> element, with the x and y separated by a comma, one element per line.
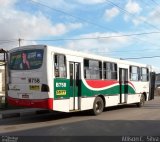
<point>28,84</point>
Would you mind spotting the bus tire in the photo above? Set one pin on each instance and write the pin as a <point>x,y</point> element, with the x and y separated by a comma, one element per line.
<point>98,106</point>
<point>142,101</point>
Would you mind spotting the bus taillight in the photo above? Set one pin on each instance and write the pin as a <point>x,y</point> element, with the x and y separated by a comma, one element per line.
<point>44,88</point>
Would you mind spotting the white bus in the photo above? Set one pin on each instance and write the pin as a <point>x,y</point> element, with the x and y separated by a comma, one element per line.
<point>58,79</point>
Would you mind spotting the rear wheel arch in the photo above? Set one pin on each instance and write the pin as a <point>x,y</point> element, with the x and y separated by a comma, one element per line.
<point>145,95</point>
<point>98,105</point>
<point>103,98</point>
<point>142,101</point>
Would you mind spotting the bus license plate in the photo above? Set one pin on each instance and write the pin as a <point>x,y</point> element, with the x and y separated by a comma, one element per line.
<point>25,96</point>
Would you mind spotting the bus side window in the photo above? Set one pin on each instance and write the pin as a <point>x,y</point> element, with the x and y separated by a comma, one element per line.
<point>134,73</point>
<point>56,66</point>
<point>60,66</point>
<point>144,74</point>
<point>109,70</point>
<point>71,74</point>
<point>92,69</point>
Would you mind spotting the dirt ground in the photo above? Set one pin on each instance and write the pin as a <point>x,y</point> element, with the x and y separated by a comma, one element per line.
<point>157,91</point>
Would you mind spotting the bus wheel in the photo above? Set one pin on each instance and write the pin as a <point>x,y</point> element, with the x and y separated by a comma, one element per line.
<point>142,101</point>
<point>98,106</point>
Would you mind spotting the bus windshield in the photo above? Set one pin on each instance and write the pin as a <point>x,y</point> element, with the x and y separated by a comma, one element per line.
<point>26,59</point>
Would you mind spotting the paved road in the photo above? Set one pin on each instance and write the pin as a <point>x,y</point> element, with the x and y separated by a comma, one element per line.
<point>116,121</point>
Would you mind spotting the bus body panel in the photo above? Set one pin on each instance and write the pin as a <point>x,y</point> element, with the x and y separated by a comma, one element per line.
<point>65,94</point>
<point>112,100</point>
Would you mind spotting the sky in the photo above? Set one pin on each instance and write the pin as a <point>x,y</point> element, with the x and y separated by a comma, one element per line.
<point>113,28</point>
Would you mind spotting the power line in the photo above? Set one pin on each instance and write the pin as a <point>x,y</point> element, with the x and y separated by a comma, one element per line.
<point>141,57</point>
<point>155,2</point>
<point>149,5</point>
<point>82,19</point>
<point>99,37</point>
<point>7,42</point>
<point>133,15</point>
<point>87,21</point>
<point>71,15</point>
<point>126,51</point>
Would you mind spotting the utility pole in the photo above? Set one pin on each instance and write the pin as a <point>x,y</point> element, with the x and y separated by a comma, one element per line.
<point>19,42</point>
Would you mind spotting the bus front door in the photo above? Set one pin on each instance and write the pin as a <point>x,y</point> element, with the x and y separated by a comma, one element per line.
<point>123,81</point>
<point>75,84</point>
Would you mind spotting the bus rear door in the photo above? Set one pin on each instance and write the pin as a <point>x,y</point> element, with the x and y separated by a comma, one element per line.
<point>75,83</point>
<point>123,81</point>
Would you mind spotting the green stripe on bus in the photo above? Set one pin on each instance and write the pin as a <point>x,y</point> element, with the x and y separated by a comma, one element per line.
<point>62,89</point>
<point>107,92</point>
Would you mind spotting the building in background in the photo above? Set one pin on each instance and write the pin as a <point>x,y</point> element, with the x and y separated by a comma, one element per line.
<point>157,82</point>
<point>2,78</point>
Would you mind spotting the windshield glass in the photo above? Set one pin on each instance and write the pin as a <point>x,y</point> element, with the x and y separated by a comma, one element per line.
<point>26,59</point>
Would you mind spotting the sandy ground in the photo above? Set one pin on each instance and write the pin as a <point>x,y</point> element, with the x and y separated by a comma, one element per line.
<point>157,91</point>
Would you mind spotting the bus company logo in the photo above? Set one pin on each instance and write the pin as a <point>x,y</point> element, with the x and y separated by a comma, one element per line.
<point>15,88</point>
<point>61,92</point>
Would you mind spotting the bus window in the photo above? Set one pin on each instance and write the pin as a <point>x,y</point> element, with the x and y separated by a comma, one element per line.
<point>60,66</point>
<point>71,74</point>
<point>92,69</point>
<point>26,59</point>
<point>134,73</point>
<point>109,70</point>
<point>144,73</point>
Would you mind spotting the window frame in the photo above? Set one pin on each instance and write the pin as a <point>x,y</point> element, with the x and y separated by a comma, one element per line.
<point>100,64</point>
<point>138,73</point>
<point>27,52</point>
<point>65,65</point>
<point>147,71</point>
<point>116,71</point>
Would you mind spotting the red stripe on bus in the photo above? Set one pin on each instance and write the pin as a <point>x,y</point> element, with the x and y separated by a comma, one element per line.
<point>43,103</point>
<point>101,83</point>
